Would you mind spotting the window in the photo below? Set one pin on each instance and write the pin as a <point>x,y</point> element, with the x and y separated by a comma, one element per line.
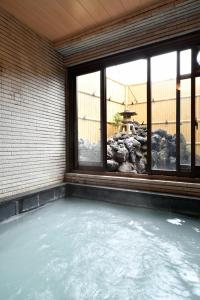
<point>198,58</point>
<point>197,122</point>
<point>163,107</point>
<point>139,114</point>
<point>185,122</point>
<point>89,125</point>
<point>126,117</point>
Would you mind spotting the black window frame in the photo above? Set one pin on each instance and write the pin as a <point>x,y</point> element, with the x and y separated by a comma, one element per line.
<point>178,44</point>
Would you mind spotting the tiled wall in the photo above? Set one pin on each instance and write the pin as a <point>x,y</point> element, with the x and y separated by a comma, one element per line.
<point>32,110</point>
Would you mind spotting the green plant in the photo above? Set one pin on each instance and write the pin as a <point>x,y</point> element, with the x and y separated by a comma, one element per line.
<point>117,120</point>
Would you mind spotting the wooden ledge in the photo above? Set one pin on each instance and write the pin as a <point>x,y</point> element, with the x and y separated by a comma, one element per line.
<point>155,185</point>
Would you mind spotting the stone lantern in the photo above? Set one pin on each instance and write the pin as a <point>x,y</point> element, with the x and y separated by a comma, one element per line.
<point>128,124</point>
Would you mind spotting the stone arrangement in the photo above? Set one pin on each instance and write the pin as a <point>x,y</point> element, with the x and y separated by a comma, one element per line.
<point>127,152</point>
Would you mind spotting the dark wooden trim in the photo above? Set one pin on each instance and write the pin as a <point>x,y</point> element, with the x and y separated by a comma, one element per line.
<point>178,112</point>
<point>149,115</point>
<point>175,44</point>
<point>103,118</point>
<point>67,122</point>
<point>182,177</point>
<point>185,76</point>
<point>88,168</point>
<point>197,168</point>
<point>74,121</point>
<point>71,144</point>
<point>193,113</point>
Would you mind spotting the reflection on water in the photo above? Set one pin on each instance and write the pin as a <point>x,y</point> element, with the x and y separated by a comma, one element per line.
<point>80,249</point>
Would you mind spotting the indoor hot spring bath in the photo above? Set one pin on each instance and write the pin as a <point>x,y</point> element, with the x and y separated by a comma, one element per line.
<point>75,249</point>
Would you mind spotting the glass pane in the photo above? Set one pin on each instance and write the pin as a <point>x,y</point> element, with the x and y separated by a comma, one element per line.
<point>185,62</point>
<point>198,58</point>
<point>163,105</point>
<point>185,122</point>
<point>197,131</point>
<point>89,126</point>
<point>126,117</point>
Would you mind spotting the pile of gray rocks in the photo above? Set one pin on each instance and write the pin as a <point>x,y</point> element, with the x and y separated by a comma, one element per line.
<point>128,152</point>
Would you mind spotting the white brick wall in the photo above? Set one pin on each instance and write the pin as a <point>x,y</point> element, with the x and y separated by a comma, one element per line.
<point>32,110</point>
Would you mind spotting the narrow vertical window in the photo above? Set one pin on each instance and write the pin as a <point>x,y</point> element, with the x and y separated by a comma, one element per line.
<point>185,122</point>
<point>163,108</point>
<point>197,121</point>
<point>88,118</point>
<point>127,117</point>
<point>185,62</point>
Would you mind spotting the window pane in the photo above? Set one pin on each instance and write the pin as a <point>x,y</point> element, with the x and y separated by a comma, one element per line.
<point>163,105</point>
<point>197,131</point>
<point>185,62</point>
<point>89,126</point>
<point>198,58</point>
<point>126,117</point>
<point>185,122</point>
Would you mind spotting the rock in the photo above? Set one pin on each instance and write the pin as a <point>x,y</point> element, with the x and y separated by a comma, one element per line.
<point>162,159</point>
<point>125,136</point>
<point>163,143</point>
<point>155,137</point>
<point>125,167</point>
<point>120,142</point>
<point>132,142</point>
<point>132,156</point>
<point>144,147</point>
<point>138,154</point>
<point>110,141</point>
<point>144,160</point>
<point>114,146</point>
<point>154,158</point>
<point>154,145</point>
<point>117,136</point>
<point>109,152</point>
<point>141,139</point>
<point>134,172</point>
<point>121,155</point>
<point>141,132</point>
<point>172,162</point>
<point>169,137</point>
<point>112,165</point>
<point>128,152</point>
<point>141,166</point>
<point>172,148</point>
<point>161,132</point>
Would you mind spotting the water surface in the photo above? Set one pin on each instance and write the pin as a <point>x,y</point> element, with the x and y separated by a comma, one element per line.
<point>86,250</point>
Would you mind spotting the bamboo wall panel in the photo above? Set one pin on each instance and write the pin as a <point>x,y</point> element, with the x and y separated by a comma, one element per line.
<point>115,90</point>
<point>163,108</point>
<point>32,110</point>
<point>89,130</point>
<point>88,106</point>
<point>157,24</point>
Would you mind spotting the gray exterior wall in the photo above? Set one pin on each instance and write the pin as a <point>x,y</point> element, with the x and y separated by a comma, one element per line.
<point>32,110</point>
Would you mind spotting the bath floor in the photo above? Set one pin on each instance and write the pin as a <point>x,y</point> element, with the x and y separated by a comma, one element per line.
<point>75,249</point>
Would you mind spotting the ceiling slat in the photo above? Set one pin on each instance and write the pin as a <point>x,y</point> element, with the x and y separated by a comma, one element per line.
<point>58,19</point>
